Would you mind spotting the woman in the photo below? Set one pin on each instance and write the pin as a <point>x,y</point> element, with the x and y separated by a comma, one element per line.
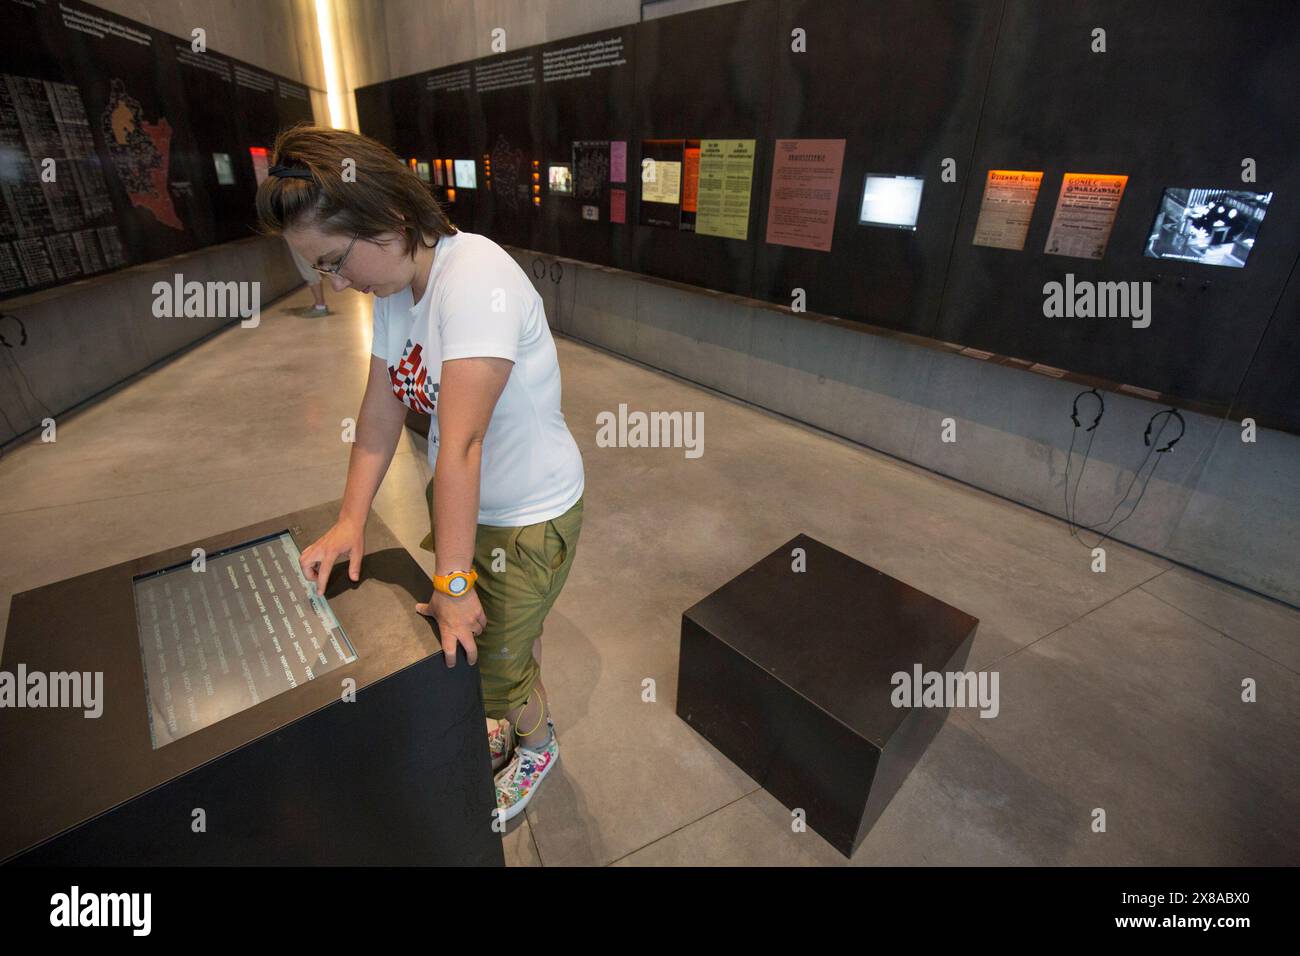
<point>460,334</point>
<point>313,279</point>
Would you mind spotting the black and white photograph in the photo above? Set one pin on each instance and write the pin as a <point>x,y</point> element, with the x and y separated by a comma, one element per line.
<point>1211,226</point>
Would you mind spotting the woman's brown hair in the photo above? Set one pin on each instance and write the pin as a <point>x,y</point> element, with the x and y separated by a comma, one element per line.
<point>385,189</point>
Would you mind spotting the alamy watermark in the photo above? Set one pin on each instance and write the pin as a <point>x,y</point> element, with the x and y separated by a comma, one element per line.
<point>1086,300</point>
<point>651,430</point>
<point>946,689</point>
<point>74,689</point>
<point>205,300</point>
<point>75,908</point>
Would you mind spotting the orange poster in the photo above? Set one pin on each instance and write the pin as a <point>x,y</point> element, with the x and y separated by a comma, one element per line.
<point>1085,213</point>
<point>1008,205</point>
<point>691,177</point>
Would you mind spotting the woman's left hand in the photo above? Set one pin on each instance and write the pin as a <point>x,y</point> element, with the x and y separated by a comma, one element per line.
<point>460,620</point>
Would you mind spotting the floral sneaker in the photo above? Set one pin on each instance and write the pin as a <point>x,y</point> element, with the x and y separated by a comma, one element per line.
<point>517,783</point>
<point>501,740</point>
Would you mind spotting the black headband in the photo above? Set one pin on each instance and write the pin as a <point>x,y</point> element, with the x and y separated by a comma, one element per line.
<point>293,172</point>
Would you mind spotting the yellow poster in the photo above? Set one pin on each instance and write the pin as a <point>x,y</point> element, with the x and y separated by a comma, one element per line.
<point>726,179</point>
<point>661,182</point>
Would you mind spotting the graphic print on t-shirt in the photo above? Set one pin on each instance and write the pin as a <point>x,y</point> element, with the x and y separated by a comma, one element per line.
<point>411,380</point>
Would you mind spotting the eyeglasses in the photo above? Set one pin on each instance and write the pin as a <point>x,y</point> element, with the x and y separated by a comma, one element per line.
<point>334,269</point>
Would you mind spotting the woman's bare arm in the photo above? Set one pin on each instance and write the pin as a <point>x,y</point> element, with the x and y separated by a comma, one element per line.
<point>379,428</point>
<point>468,393</point>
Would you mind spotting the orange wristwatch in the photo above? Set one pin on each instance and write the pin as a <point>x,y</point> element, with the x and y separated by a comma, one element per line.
<point>456,584</point>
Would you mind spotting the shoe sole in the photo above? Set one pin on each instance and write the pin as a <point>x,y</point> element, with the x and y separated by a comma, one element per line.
<point>511,812</point>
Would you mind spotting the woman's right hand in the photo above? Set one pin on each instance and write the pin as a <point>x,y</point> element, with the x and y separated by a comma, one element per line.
<point>345,539</point>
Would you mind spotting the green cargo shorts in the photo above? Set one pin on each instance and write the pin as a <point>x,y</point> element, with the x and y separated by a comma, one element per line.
<point>520,573</point>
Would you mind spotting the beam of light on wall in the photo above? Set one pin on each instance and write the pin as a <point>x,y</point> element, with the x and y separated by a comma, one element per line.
<point>329,53</point>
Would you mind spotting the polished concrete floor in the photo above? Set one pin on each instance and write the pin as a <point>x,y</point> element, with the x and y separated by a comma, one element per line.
<point>1120,691</point>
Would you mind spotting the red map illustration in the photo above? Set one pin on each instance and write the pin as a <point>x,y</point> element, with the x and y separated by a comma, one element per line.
<point>141,154</point>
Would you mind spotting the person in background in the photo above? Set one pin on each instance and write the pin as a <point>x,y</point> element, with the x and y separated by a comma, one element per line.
<point>312,278</point>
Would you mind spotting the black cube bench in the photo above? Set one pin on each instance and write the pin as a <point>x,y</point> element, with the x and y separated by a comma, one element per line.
<point>790,675</point>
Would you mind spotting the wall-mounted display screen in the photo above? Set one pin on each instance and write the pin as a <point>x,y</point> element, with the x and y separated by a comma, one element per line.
<point>890,201</point>
<point>1214,227</point>
<point>560,178</point>
<point>225,169</point>
<point>465,177</point>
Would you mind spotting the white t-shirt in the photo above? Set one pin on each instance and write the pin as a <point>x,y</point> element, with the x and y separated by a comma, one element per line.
<point>478,302</point>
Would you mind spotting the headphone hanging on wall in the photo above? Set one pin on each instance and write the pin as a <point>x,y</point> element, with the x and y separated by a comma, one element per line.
<point>1101,409</point>
<point>1182,430</point>
<point>1071,505</point>
<point>21,340</point>
<point>556,272</point>
<point>21,328</point>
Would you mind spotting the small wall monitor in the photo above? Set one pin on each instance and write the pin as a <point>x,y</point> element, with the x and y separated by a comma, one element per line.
<point>465,177</point>
<point>560,177</point>
<point>1215,227</point>
<point>225,169</point>
<point>890,201</point>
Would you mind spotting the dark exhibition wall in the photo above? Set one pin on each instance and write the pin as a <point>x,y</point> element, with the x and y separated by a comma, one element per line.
<point>999,147</point>
<point>155,146</point>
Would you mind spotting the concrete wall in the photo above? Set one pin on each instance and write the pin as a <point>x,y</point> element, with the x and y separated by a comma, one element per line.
<point>283,36</point>
<point>89,336</point>
<point>277,35</point>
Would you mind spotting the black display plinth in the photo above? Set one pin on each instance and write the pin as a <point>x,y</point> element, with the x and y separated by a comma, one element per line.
<point>789,674</point>
<point>401,775</point>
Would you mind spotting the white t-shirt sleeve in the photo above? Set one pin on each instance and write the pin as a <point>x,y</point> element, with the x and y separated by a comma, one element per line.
<point>477,319</point>
<point>379,337</point>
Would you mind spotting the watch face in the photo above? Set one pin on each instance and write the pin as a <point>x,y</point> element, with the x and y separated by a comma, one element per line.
<point>456,585</point>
